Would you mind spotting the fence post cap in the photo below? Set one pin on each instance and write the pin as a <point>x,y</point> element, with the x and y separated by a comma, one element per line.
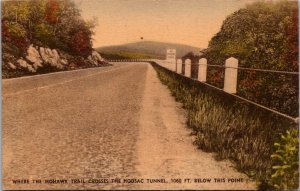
<point>231,62</point>
<point>232,59</point>
<point>202,61</point>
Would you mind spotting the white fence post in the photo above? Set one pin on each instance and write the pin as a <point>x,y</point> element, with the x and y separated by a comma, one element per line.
<point>187,69</point>
<point>231,71</point>
<point>174,66</point>
<point>179,66</point>
<point>202,70</point>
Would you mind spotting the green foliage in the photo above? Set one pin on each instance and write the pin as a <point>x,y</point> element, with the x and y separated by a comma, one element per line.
<point>16,35</point>
<point>194,60</point>
<point>262,35</point>
<point>54,23</point>
<point>16,11</point>
<point>232,128</point>
<point>16,30</point>
<point>286,161</point>
<point>43,33</point>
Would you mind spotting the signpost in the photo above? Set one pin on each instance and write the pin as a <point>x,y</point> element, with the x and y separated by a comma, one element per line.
<point>171,59</point>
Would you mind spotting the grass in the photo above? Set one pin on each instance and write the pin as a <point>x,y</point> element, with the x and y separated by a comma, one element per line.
<point>234,129</point>
<point>127,55</point>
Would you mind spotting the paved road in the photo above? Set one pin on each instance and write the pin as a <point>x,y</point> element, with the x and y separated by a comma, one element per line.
<point>112,122</point>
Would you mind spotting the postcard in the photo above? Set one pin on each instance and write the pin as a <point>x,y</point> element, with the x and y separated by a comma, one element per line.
<point>150,95</point>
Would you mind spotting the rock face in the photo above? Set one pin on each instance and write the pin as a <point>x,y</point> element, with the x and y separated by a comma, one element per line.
<point>25,65</point>
<point>22,63</point>
<point>37,58</point>
<point>95,58</point>
<point>52,58</point>
<point>34,57</point>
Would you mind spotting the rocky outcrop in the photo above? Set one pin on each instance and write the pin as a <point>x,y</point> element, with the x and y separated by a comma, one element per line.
<point>41,58</point>
<point>22,63</point>
<point>38,57</point>
<point>52,58</point>
<point>95,58</point>
<point>25,65</point>
<point>34,57</point>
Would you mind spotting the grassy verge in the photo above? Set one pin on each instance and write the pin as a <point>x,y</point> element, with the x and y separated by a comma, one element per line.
<point>234,129</point>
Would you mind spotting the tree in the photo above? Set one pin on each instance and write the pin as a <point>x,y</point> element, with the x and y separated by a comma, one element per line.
<point>15,11</point>
<point>52,12</point>
<point>50,23</point>
<point>80,42</point>
<point>43,33</point>
<point>263,35</point>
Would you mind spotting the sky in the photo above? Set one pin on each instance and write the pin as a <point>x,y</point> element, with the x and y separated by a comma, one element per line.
<point>191,22</point>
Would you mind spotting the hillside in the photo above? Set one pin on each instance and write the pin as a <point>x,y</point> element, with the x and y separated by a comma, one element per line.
<point>45,36</point>
<point>152,48</point>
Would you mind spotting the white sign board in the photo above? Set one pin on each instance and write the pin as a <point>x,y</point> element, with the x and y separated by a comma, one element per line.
<point>171,54</point>
<point>171,59</point>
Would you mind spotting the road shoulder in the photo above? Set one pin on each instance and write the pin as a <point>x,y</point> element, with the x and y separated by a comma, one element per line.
<point>165,149</point>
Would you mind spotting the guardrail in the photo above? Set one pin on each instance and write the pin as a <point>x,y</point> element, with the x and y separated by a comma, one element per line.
<point>133,60</point>
<point>230,80</point>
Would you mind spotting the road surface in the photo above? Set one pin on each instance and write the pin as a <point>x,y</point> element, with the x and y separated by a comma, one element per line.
<point>101,124</point>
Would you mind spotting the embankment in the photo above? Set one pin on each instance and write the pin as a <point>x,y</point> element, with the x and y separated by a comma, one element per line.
<point>234,129</point>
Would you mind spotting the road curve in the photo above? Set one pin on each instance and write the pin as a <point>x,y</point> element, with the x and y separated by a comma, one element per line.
<point>112,122</point>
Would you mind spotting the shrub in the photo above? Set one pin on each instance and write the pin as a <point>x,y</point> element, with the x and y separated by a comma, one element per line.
<point>43,33</point>
<point>80,43</point>
<point>15,34</point>
<point>51,23</point>
<point>263,35</point>
<point>286,161</point>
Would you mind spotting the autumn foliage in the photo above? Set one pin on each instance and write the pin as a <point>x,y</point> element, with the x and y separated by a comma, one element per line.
<point>15,34</point>
<point>52,12</point>
<point>48,23</point>
<point>80,41</point>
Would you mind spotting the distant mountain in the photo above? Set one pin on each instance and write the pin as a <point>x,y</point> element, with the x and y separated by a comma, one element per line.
<point>151,48</point>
